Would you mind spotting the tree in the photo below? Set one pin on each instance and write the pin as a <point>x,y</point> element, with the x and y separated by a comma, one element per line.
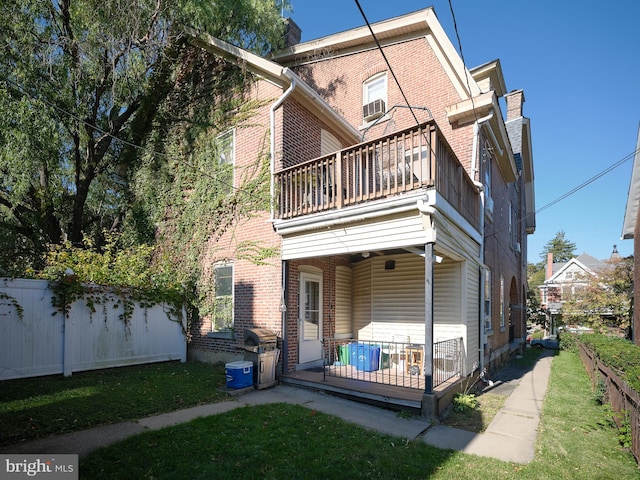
<point>602,299</point>
<point>562,249</point>
<point>81,85</point>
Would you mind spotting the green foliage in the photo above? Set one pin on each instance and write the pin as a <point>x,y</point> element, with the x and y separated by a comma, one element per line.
<point>563,250</point>
<point>123,275</point>
<point>568,341</point>
<point>600,392</point>
<point>602,300</point>
<point>617,353</point>
<point>81,86</point>
<point>465,402</point>
<point>12,302</point>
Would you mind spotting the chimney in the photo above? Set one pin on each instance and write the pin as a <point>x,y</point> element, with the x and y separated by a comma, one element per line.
<point>292,33</point>
<point>549,266</point>
<point>515,100</point>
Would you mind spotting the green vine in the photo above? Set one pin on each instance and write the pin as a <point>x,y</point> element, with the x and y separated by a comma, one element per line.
<point>6,299</point>
<point>126,277</point>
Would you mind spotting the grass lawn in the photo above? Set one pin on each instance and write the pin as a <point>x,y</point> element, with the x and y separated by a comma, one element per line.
<point>38,407</point>
<point>576,439</point>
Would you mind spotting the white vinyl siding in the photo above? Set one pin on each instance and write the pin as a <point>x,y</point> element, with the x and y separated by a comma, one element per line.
<point>328,143</point>
<point>362,299</point>
<point>393,231</point>
<point>343,302</point>
<point>396,299</point>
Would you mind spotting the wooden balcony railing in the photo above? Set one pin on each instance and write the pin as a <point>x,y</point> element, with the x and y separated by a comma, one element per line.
<point>412,159</point>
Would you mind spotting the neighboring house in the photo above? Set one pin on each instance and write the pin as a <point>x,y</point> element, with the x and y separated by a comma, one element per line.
<point>563,279</point>
<point>402,230</point>
<point>631,230</point>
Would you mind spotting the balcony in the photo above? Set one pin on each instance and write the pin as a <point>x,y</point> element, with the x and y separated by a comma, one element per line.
<point>405,161</point>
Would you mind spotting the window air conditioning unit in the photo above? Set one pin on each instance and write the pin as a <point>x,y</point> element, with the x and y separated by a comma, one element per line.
<point>373,110</point>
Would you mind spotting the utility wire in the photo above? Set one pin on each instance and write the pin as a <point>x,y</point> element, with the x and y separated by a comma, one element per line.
<point>575,189</point>
<point>387,62</point>
<point>464,64</point>
<point>589,181</point>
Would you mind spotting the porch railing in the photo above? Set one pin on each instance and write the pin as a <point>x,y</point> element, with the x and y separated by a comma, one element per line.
<point>415,158</point>
<point>396,364</point>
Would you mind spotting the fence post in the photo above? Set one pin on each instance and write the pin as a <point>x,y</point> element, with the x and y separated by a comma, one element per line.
<point>67,354</point>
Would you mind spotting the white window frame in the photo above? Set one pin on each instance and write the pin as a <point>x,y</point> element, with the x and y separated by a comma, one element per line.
<point>367,96</point>
<point>487,300</point>
<point>227,156</point>
<point>223,300</point>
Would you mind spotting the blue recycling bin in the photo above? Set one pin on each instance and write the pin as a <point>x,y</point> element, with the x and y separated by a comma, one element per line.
<point>364,357</point>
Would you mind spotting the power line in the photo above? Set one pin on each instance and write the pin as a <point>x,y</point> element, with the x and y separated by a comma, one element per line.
<point>589,181</point>
<point>573,190</point>
<point>464,64</point>
<point>387,62</point>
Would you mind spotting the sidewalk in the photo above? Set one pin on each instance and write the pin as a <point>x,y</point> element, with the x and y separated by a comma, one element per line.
<point>510,436</point>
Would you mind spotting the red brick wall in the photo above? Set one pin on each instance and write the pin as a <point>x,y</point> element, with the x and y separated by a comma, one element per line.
<point>257,292</point>
<point>328,268</point>
<point>422,78</point>
<point>257,288</point>
<point>504,260</point>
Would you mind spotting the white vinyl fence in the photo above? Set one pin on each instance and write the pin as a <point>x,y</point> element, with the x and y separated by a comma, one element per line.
<point>41,341</point>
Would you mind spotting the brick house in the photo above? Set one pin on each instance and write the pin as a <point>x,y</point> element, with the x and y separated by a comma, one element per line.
<point>401,228</point>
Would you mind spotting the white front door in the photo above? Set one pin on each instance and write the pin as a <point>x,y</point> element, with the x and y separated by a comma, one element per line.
<point>310,317</point>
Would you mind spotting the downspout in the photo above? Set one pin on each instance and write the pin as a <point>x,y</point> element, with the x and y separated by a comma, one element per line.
<point>480,185</point>
<point>284,265</point>
<point>272,140</point>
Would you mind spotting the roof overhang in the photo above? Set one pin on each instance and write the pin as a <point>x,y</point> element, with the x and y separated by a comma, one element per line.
<point>421,24</point>
<point>472,109</point>
<point>280,76</point>
<point>633,198</point>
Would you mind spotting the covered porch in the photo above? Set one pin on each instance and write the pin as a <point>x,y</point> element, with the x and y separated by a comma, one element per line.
<point>383,373</point>
<point>391,265</point>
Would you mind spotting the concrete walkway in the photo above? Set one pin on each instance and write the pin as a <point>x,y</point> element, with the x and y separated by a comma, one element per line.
<point>510,436</point>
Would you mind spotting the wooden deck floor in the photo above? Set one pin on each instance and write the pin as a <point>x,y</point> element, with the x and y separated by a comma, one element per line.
<point>382,387</point>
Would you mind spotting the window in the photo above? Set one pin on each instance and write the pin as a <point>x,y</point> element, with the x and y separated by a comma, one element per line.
<point>225,144</point>
<point>374,97</point>
<point>486,164</point>
<point>223,303</point>
<point>502,313</point>
<point>487,299</point>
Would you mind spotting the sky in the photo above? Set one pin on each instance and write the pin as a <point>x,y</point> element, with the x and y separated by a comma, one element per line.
<point>578,64</point>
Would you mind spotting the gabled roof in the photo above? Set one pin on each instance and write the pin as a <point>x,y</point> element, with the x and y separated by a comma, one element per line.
<point>584,262</point>
<point>633,198</point>
<point>276,74</point>
<point>420,24</point>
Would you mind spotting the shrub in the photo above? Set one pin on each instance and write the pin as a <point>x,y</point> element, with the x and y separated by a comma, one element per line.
<point>617,353</point>
<point>465,402</point>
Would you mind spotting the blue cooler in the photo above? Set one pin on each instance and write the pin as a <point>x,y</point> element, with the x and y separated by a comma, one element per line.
<point>239,374</point>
